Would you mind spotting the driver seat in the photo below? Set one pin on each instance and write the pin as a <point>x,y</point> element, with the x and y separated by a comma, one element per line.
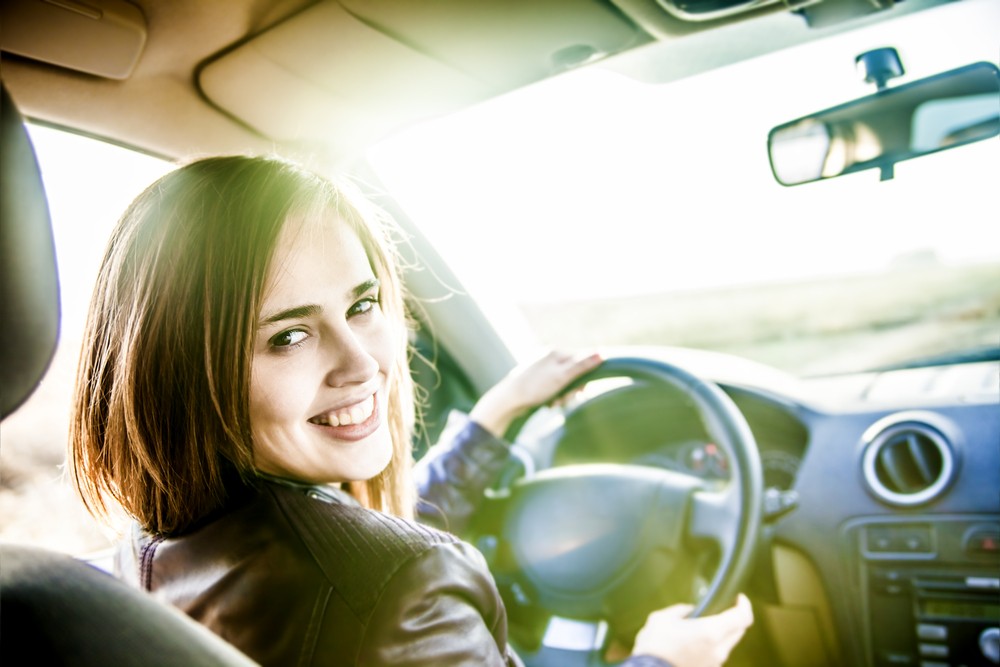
<point>57,610</point>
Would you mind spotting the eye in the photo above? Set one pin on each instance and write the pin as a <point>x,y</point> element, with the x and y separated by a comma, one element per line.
<point>364,306</point>
<point>289,338</point>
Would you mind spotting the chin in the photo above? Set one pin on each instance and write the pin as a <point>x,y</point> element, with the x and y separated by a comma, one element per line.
<point>375,459</point>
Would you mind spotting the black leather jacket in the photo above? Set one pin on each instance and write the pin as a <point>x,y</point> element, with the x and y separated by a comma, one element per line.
<point>304,576</point>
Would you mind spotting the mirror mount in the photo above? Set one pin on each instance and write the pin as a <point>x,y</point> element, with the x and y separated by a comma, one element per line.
<point>879,65</point>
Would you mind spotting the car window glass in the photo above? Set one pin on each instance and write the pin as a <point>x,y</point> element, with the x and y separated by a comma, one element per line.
<point>638,212</point>
<point>89,183</point>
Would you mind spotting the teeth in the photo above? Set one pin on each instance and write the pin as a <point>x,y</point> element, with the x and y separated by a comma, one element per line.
<point>353,415</point>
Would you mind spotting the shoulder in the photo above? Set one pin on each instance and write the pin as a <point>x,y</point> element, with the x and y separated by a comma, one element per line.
<point>358,548</point>
<point>365,533</point>
<point>335,578</point>
<point>289,535</point>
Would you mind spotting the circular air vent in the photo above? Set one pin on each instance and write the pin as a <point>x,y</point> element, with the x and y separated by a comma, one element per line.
<point>907,458</point>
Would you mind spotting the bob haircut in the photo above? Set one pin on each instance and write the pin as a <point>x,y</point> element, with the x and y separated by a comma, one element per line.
<point>161,419</point>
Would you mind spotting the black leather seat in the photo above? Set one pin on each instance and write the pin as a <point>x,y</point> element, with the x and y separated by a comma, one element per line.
<point>57,610</point>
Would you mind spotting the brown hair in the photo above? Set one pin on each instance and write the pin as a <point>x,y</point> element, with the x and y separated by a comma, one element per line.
<point>161,420</point>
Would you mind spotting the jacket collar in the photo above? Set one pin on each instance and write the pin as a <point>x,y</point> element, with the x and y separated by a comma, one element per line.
<point>328,493</point>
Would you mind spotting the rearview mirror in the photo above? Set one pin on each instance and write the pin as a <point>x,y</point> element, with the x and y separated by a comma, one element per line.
<point>895,124</point>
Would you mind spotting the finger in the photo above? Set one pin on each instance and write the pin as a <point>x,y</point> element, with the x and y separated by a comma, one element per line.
<point>590,361</point>
<point>743,610</point>
<point>734,622</point>
<point>675,611</point>
<point>578,365</point>
<point>572,368</point>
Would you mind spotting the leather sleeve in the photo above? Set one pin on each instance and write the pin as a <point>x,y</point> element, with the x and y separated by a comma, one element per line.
<point>439,608</point>
<point>452,476</point>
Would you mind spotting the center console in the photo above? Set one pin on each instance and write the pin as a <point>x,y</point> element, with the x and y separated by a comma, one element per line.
<point>931,590</point>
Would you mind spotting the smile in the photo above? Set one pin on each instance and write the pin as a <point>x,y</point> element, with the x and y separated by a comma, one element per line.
<point>355,414</point>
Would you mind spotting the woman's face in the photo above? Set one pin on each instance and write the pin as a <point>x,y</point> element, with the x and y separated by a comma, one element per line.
<point>321,359</point>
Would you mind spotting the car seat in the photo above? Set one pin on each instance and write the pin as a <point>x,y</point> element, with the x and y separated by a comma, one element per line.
<point>54,609</point>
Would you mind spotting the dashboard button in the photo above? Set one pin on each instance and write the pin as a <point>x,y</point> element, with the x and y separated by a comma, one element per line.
<point>879,539</point>
<point>897,659</point>
<point>932,631</point>
<point>914,540</point>
<point>889,582</point>
<point>933,650</point>
<point>983,542</point>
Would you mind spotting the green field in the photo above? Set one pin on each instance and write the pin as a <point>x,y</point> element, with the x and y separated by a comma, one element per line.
<point>811,328</point>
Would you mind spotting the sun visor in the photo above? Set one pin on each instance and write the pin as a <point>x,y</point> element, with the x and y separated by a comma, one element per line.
<point>377,66</point>
<point>323,68</point>
<point>101,37</point>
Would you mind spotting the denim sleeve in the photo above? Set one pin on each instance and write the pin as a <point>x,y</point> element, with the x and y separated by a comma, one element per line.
<point>645,661</point>
<point>452,477</point>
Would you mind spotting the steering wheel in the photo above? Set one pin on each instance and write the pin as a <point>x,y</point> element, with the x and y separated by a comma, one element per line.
<point>601,545</point>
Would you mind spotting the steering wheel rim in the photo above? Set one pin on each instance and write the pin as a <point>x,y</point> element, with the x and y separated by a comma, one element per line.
<point>739,503</point>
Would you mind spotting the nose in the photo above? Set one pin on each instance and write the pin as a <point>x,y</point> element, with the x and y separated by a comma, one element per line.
<point>348,360</point>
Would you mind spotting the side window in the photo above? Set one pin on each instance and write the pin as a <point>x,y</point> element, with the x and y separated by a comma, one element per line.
<point>88,183</point>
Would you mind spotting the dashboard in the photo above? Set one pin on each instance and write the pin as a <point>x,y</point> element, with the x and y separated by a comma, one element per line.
<point>891,553</point>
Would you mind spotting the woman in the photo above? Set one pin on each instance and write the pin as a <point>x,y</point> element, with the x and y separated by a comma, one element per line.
<point>244,395</point>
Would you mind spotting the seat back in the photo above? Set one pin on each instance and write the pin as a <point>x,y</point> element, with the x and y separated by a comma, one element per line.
<point>29,285</point>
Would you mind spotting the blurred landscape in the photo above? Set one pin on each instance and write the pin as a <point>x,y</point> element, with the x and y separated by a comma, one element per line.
<point>37,503</point>
<point>809,328</point>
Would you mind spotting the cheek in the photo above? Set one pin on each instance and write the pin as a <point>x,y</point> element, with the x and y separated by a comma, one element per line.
<point>390,341</point>
<point>273,397</point>
<point>383,341</point>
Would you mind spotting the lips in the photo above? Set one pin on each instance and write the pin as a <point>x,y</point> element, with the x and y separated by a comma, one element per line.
<point>354,414</point>
<point>351,422</point>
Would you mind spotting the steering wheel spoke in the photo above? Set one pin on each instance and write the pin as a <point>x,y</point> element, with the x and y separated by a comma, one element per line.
<point>715,515</point>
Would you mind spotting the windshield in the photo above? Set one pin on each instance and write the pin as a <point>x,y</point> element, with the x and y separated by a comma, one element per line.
<point>608,210</point>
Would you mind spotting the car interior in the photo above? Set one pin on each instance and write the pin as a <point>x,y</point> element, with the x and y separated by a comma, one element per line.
<point>857,506</point>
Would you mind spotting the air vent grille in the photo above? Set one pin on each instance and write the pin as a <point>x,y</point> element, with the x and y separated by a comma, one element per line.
<point>907,462</point>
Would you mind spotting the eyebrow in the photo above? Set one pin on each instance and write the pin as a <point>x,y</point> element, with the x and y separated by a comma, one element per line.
<point>311,309</point>
<point>365,287</point>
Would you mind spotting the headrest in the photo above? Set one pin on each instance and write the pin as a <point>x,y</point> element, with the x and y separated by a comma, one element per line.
<point>29,285</point>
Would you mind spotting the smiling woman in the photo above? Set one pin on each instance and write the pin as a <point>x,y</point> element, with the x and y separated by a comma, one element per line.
<point>244,396</point>
<point>173,441</point>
